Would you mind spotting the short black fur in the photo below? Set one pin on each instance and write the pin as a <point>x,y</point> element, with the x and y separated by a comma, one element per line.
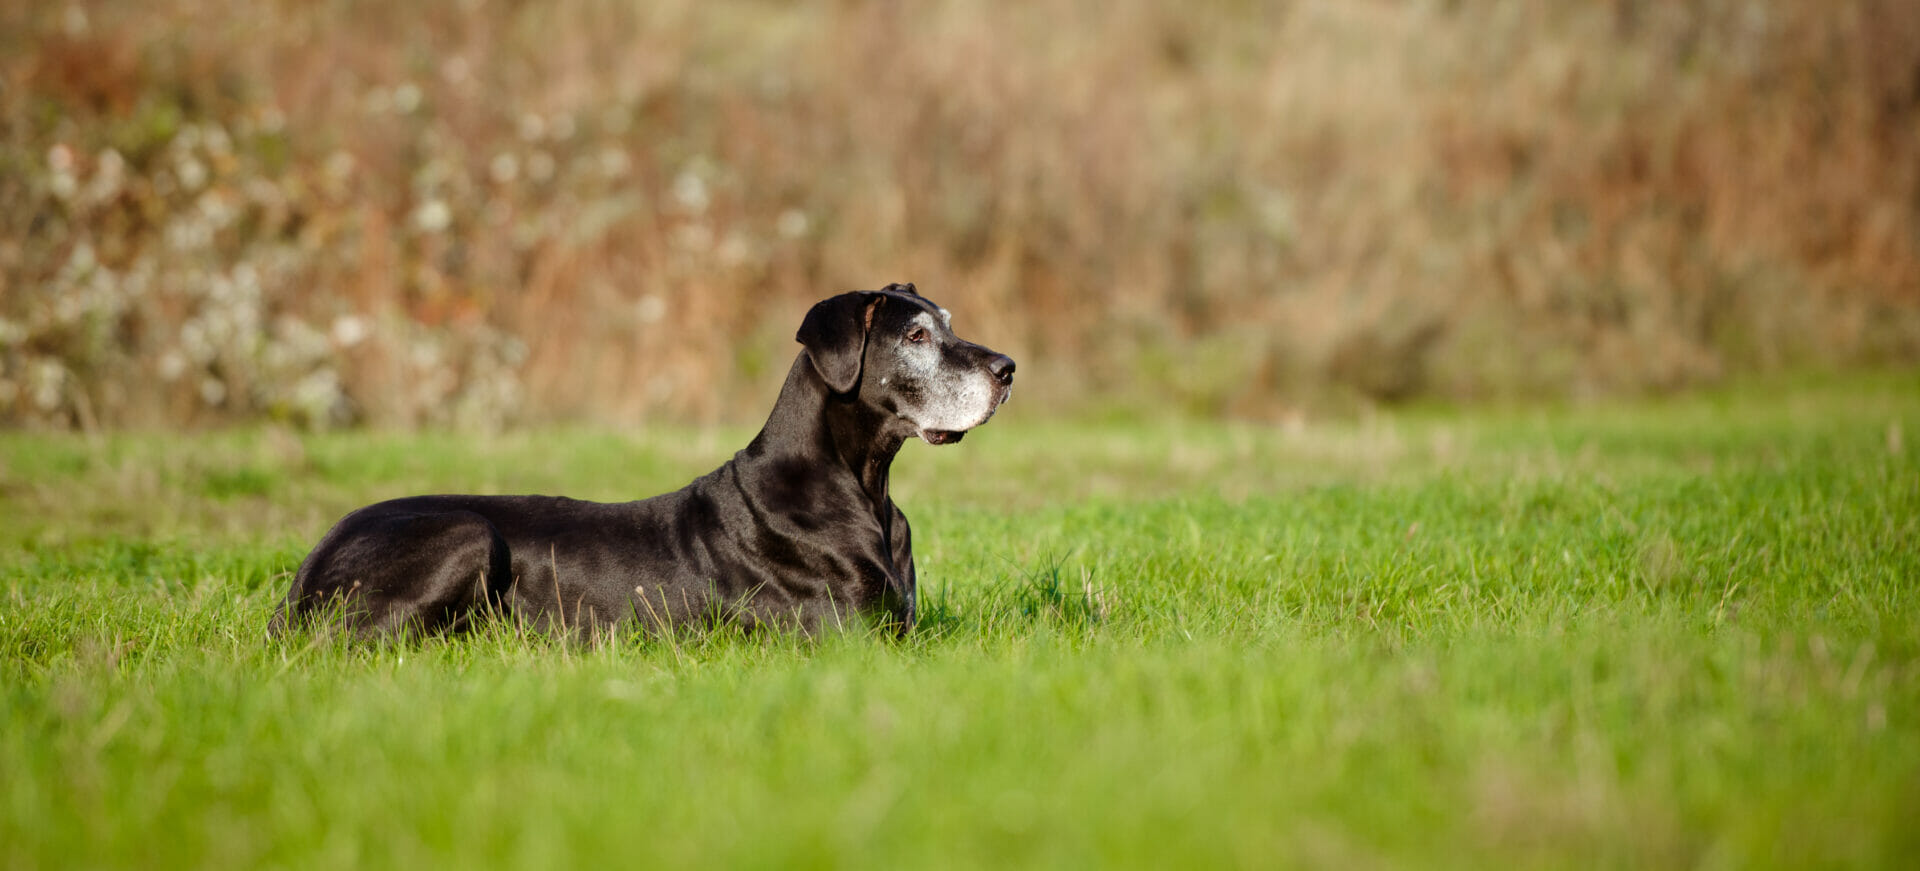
<point>797,530</point>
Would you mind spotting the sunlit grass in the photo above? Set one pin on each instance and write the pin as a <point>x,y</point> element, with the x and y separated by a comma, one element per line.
<point>1663,634</point>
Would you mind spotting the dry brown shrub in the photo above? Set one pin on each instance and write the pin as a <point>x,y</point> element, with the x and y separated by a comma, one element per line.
<point>485,213</point>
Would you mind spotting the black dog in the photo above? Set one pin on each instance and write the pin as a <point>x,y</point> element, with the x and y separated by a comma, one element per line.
<point>796,530</point>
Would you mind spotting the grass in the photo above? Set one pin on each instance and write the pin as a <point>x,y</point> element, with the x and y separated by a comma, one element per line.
<point>1671,633</point>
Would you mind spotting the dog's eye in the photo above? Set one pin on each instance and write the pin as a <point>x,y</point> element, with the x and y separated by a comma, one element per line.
<point>917,335</point>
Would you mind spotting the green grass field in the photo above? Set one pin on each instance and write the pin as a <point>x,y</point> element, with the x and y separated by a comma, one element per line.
<point>1674,633</point>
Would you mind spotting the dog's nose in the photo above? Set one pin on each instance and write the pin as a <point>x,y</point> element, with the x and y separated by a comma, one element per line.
<point>1002,367</point>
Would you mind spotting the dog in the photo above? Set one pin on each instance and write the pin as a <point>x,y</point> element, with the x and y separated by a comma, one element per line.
<point>796,531</point>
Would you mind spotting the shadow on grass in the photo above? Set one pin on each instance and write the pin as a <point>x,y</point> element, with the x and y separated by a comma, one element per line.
<point>1051,595</point>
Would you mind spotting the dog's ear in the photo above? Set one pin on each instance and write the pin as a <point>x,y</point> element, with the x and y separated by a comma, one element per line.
<point>835,335</point>
<point>906,288</point>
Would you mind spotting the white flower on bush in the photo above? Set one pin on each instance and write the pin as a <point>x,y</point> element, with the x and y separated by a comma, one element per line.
<point>614,163</point>
<point>212,391</point>
<point>432,216</point>
<point>317,395</point>
<point>49,384</point>
<point>191,172</point>
<point>504,168</point>
<point>349,330</point>
<point>690,191</point>
<point>792,224</point>
<point>533,128</point>
<point>406,98</point>
<point>60,162</point>
<point>171,366</point>
<point>108,178</point>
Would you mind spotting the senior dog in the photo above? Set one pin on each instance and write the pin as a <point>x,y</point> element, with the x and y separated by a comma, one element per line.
<point>797,530</point>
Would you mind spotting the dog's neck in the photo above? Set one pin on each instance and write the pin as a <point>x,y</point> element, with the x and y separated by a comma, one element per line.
<point>809,415</point>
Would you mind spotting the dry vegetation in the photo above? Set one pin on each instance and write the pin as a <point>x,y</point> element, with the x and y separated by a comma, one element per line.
<point>481,212</point>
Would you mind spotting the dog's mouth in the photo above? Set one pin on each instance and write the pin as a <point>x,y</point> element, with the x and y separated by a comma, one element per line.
<point>953,436</point>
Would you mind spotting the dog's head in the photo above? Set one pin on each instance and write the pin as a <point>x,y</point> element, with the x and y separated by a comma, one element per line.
<point>897,352</point>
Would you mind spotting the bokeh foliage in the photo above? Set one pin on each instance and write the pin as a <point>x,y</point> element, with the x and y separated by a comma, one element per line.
<point>487,212</point>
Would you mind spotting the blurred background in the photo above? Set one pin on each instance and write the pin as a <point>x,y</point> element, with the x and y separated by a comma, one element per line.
<point>492,213</point>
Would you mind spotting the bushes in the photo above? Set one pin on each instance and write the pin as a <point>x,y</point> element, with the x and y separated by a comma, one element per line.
<point>486,212</point>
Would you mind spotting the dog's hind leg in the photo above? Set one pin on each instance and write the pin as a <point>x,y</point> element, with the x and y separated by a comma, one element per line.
<point>391,573</point>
